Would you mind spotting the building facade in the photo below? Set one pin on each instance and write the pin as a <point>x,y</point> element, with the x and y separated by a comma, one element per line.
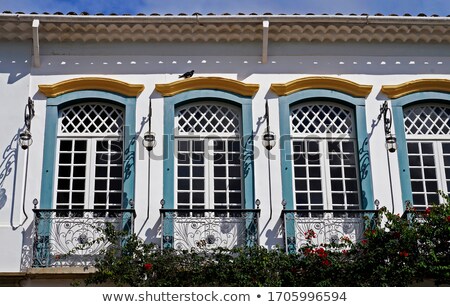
<point>283,123</point>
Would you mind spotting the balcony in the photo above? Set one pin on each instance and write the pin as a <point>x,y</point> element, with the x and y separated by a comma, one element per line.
<point>329,226</point>
<point>207,229</point>
<point>67,238</point>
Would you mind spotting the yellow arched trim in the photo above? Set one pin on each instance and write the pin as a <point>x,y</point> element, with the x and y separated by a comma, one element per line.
<point>328,83</point>
<point>91,83</point>
<point>421,85</point>
<point>202,83</point>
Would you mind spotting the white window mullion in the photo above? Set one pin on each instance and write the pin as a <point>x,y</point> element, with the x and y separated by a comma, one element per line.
<point>209,173</point>
<point>326,179</point>
<point>440,168</point>
<point>90,174</point>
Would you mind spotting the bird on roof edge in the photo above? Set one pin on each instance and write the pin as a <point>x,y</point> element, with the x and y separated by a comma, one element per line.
<point>187,74</point>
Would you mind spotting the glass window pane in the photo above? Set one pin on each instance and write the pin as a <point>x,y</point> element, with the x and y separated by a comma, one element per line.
<point>219,145</point>
<point>316,198</point>
<point>101,171</point>
<point>183,184</point>
<point>315,185</point>
<point>198,171</point>
<point>299,159</point>
<point>430,173</point>
<point>101,158</point>
<point>220,197</point>
<point>413,148</point>
<point>419,199</point>
<point>115,198</point>
<point>235,184</point>
<point>433,199</point>
<point>235,198</point>
<point>313,146</point>
<point>314,172</point>
<point>337,198</point>
<point>198,198</point>
<point>63,184</point>
<point>220,184</point>
<point>301,198</point>
<point>427,148</point>
<point>78,184</point>
<point>446,148</point>
<point>234,171</point>
<point>100,184</point>
<point>115,171</point>
<point>198,146</point>
<point>99,198</point>
<point>78,197</point>
<point>414,160</point>
<point>65,158</point>
<point>219,171</point>
<point>416,173</point>
<point>431,186</point>
<point>234,146</point>
<point>417,186</point>
<point>65,145</point>
<point>351,185</point>
<point>183,171</point>
<point>198,184</point>
<point>79,171</point>
<point>183,198</point>
<point>336,185</point>
<point>183,145</point>
<point>102,146</point>
<point>197,158</point>
<point>352,198</point>
<point>79,158</point>
<point>219,158</point>
<point>300,185</point>
<point>336,172</point>
<point>348,147</point>
<point>80,145</point>
<point>350,172</point>
<point>115,184</point>
<point>64,171</point>
<point>62,197</point>
<point>300,172</point>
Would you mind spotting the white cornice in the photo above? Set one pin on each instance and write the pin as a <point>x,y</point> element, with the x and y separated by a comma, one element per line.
<point>330,28</point>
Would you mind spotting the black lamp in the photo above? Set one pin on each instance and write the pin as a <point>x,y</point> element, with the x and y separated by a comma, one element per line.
<point>268,138</point>
<point>391,140</point>
<point>25,138</point>
<point>149,140</point>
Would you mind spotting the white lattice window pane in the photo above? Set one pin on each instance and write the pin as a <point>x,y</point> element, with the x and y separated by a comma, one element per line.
<point>427,120</point>
<point>108,174</point>
<point>91,119</point>
<point>71,174</point>
<point>207,118</point>
<point>227,174</point>
<point>344,181</point>
<point>308,184</point>
<point>190,182</point>
<point>320,118</point>
<point>424,176</point>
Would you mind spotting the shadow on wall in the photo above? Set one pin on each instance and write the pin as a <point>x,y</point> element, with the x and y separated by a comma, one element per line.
<point>8,167</point>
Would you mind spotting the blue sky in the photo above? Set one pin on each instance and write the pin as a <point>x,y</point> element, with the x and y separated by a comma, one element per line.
<point>414,7</point>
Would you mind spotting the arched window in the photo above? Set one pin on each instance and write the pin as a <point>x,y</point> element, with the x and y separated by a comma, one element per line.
<point>208,168</point>
<point>427,132</point>
<point>324,153</point>
<point>89,159</point>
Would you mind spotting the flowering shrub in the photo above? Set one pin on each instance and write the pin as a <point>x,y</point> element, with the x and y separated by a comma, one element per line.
<point>395,251</point>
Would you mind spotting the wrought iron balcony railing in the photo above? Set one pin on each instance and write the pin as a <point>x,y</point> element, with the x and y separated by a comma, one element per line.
<point>74,237</point>
<point>206,229</point>
<point>329,226</point>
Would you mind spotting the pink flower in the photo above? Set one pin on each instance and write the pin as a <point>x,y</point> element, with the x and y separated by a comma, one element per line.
<point>427,211</point>
<point>448,218</point>
<point>364,242</point>
<point>148,266</point>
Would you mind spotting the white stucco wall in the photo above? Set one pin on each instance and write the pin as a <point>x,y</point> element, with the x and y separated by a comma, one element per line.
<point>149,64</point>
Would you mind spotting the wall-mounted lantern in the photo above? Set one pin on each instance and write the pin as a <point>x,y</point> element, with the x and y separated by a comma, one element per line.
<point>268,138</point>
<point>149,140</point>
<point>25,138</point>
<point>391,140</point>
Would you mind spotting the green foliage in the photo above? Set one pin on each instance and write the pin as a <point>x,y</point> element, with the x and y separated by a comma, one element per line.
<point>396,251</point>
